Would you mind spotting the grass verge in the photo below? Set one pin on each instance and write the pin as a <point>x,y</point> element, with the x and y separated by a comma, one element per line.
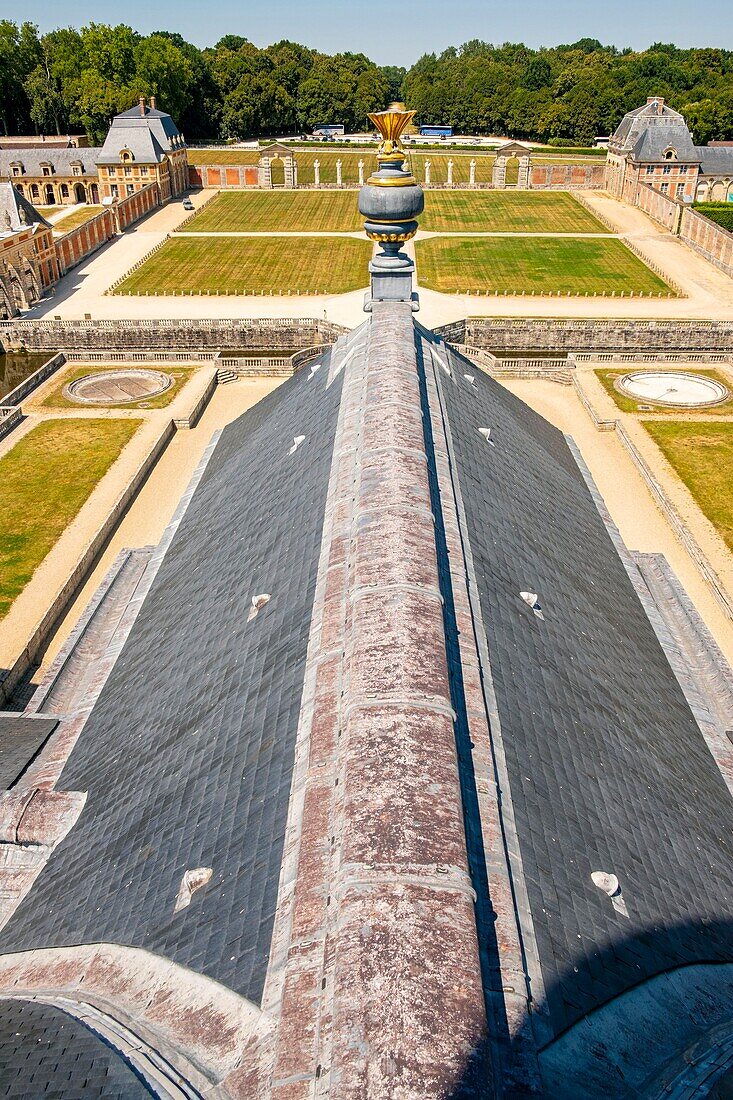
<point>286,211</point>
<point>507,212</point>
<point>702,455</point>
<point>46,478</point>
<point>556,265</point>
<point>253,265</point>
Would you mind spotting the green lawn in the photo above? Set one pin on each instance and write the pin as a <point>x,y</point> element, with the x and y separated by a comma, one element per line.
<point>77,218</point>
<point>253,265</point>
<point>292,211</point>
<point>702,455</point>
<point>563,265</point>
<point>46,478</point>
<point>607,378</point>
<point>507,212</point>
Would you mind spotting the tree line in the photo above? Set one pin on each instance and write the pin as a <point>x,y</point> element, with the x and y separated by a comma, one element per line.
<point>69,80</point>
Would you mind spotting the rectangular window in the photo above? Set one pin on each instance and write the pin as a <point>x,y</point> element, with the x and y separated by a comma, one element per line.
<point>64,191</point>
<point>115,191</point>
<point>143,171</point>
<point>667,169</point>
<point>664,188</point>
<point>16,170</point>
<point>649,169</point>
<point>46,170</point>
<point>131,188</point>
<point>128,171</point>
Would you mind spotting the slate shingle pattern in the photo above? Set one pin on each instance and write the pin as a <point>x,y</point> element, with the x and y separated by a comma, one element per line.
<point>188,754</point>
<point>607,767</point>
<point>20,741</point>
<point>46,1053</point>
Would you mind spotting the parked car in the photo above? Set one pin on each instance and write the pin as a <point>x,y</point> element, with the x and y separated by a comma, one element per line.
<point>187,204</point>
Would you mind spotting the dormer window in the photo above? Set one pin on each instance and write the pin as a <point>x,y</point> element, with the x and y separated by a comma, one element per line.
<point>670,154</point>
<point>46,170</point>
<point>126,156</point>
<point>76,168</point>
<point>16,169</point>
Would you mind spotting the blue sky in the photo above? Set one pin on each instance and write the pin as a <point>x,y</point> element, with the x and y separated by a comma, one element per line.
<point>425,25</point>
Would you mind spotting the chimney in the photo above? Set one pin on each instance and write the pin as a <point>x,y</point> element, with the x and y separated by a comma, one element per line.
<point>152,103</point>
<point>142,105</point>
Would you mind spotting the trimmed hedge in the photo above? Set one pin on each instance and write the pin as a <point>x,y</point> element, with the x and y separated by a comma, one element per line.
<point>719,212</point>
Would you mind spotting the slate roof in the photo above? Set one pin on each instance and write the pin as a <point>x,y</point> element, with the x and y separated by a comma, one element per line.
<point>607,767</point>
<point>20,741</point>
<point>45,1052</point>
<point>654,108</point>
<point>148,136</point>
<point>655,139</point>
<point>11,204</point>
<point>188,754</point>
<point>717,161</point>
<point>62,159</point>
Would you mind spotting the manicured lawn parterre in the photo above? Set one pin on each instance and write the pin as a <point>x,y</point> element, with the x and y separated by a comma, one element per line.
<point>563,265</point>
<point>46,478</point>
<point>507,212</point>
<point>76,218</point>
<point>291,211</point>
<point>57,400</point>
<point>702,455</point>
<point>253,265</point>
<point>607,378</point>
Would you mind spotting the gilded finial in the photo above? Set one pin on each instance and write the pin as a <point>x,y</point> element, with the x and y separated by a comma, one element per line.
<point>391,125</point>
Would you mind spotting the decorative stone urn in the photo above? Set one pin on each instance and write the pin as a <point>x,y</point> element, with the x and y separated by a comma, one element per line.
<point>391,201</point>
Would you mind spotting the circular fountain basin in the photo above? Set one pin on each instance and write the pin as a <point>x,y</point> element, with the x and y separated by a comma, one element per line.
<point>117,387</point>
<point>676,389</point>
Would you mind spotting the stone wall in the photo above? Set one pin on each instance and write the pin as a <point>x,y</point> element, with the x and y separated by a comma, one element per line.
<point>564,177</point>
<point>73,247</point>
<point>299,332</point>
<point>667,212</point>
<point>710,240</point>
<point>223,175</point>
<point>555,334</point>
<point>133,207</point>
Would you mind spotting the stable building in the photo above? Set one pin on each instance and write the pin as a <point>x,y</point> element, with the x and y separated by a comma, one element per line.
<point>653,145</point>
<point>142,146</point>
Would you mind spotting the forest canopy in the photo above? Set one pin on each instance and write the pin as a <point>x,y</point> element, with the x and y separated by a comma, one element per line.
<point>75,80</point>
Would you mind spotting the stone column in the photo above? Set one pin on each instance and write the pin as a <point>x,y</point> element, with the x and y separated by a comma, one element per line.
<point>498,173</point>
<point>264,173</point>
<point>427,172</point>
<point>523,176</point>
<point>450,173</point>
<point>317,172</point>
<point>472,173</point>
<point>338,173</point>
<point>361,173</point>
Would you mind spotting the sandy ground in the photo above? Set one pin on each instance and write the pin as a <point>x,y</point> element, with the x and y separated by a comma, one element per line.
<point>151,511</point>
<point>642,525</point>
<point>709,293</point>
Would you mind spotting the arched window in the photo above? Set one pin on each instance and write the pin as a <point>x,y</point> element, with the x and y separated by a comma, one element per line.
<point>126,156</point>
<point>670,154</point>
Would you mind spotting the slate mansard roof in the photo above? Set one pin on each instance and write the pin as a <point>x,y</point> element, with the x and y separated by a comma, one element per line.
<point>149,134</point>
<point>648,133</point>
<point>32,158</point>
<point>16,212</point>
<point>347,782</point>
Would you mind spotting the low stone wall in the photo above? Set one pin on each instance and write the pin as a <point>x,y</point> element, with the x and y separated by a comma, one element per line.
<point>710,240</point>
<point>10,417</point>
<point>665,505</point>
<point>75,246</point>
<point>33,381</point>
<point>183,335</point>
<point>579,334</point>
<point>566,177</point>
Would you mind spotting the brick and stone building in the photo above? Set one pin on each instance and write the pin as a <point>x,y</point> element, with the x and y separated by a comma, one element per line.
<point>143,146</point>
<point>383,776</point>
<point>653,145</point>
<point>28,261</point>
